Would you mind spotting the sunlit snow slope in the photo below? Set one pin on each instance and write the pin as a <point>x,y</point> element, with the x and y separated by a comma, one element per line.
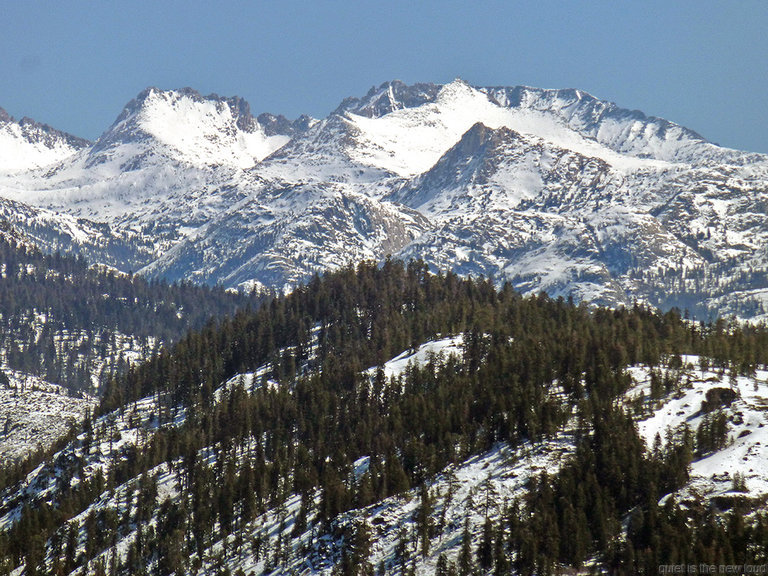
<point>550,190</point>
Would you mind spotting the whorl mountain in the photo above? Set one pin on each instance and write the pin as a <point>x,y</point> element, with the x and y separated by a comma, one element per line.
<point>550,190</point>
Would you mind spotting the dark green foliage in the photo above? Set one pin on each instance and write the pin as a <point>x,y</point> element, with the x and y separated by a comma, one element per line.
<point>424,520</point>
<point>355,559</point>
<point>717,397</point>
<point>528,364</point>
<point>712,433</point>
<point>465,561</point>
<point>485,546</point>
<point>84,308</point>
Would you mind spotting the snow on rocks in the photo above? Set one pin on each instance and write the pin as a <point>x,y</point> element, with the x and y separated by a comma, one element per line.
<point>746,447</point>
<point>35,413</point>
<point>435,348</point>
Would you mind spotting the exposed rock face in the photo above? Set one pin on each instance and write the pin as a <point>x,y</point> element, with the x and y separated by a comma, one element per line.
<point>548,189</point>
<point>27,144</point>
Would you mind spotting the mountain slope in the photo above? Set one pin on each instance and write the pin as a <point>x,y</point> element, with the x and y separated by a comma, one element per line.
<point>281,235</point>
<point>66,329</point>
<point>550,190</point>
<point>515,207</point>
<point>27,144</point>
<point>286,440</point>
<point>76,326</point>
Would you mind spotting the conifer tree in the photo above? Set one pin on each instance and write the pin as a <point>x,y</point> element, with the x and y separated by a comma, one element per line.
<point>424,520</point>
<point>465,560</point>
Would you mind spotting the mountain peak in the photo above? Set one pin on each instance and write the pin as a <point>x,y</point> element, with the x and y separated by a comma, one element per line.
<point>201,130</point>
<point>152,96</point>
<point>459,90</point>
<point>28,144</point>
<point>388,97</point>
<point>456,84</point>
<point>471,161</point>
<point>280,125</point>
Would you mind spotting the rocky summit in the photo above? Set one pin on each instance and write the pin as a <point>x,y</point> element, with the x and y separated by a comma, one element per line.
<point>549,190</point>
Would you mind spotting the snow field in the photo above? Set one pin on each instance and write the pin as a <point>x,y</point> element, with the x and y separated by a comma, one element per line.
<point>746,451</point>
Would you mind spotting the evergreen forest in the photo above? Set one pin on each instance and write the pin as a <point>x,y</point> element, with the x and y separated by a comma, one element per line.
<point>77,325</point>
<point>531,370</point>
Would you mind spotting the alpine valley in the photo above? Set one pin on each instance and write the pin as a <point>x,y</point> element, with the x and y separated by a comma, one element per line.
<point>438,332</point>
<point>551,190</point>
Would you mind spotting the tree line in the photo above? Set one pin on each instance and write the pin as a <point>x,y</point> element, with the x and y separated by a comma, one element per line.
<point>528,366</point>
<point>74,324</point>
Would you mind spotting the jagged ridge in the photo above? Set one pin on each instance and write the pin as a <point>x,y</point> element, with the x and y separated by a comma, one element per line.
<point>549,189</point>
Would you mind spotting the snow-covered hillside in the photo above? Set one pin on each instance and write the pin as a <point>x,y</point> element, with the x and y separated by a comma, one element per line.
<point>744,409</point>
<point>459,502</point>
<point>550,190</point>
<point>434,349</point>
<point>26,144</point>
<point>35,413</point>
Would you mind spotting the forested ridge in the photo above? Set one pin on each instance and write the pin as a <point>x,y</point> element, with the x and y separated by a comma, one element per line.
<point>75,325</point>
<point>531,370</point>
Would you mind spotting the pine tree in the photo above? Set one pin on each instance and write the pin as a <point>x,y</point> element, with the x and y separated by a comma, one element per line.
<point>361,549</point>
<point>465,560</point>
<point>402,553</point>
<point>485,546</point>
<point>424,520</point>
<point>441,567</point>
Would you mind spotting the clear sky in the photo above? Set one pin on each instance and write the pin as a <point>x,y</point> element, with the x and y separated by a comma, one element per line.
<point>74,65</point>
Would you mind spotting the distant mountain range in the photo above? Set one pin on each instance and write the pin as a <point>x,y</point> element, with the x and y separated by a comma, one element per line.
<point>550,190</point>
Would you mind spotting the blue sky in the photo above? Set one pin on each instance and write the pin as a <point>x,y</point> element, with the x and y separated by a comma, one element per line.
<point>74,65</point>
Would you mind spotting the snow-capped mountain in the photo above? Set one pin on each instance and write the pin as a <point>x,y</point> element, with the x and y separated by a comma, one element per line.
<point>166,165</point>
<point>189,128</point>
<point>26,144</point>
<point>549,189</point>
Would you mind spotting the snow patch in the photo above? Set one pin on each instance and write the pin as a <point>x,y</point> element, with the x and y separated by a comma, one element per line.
<point>443,347</point>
